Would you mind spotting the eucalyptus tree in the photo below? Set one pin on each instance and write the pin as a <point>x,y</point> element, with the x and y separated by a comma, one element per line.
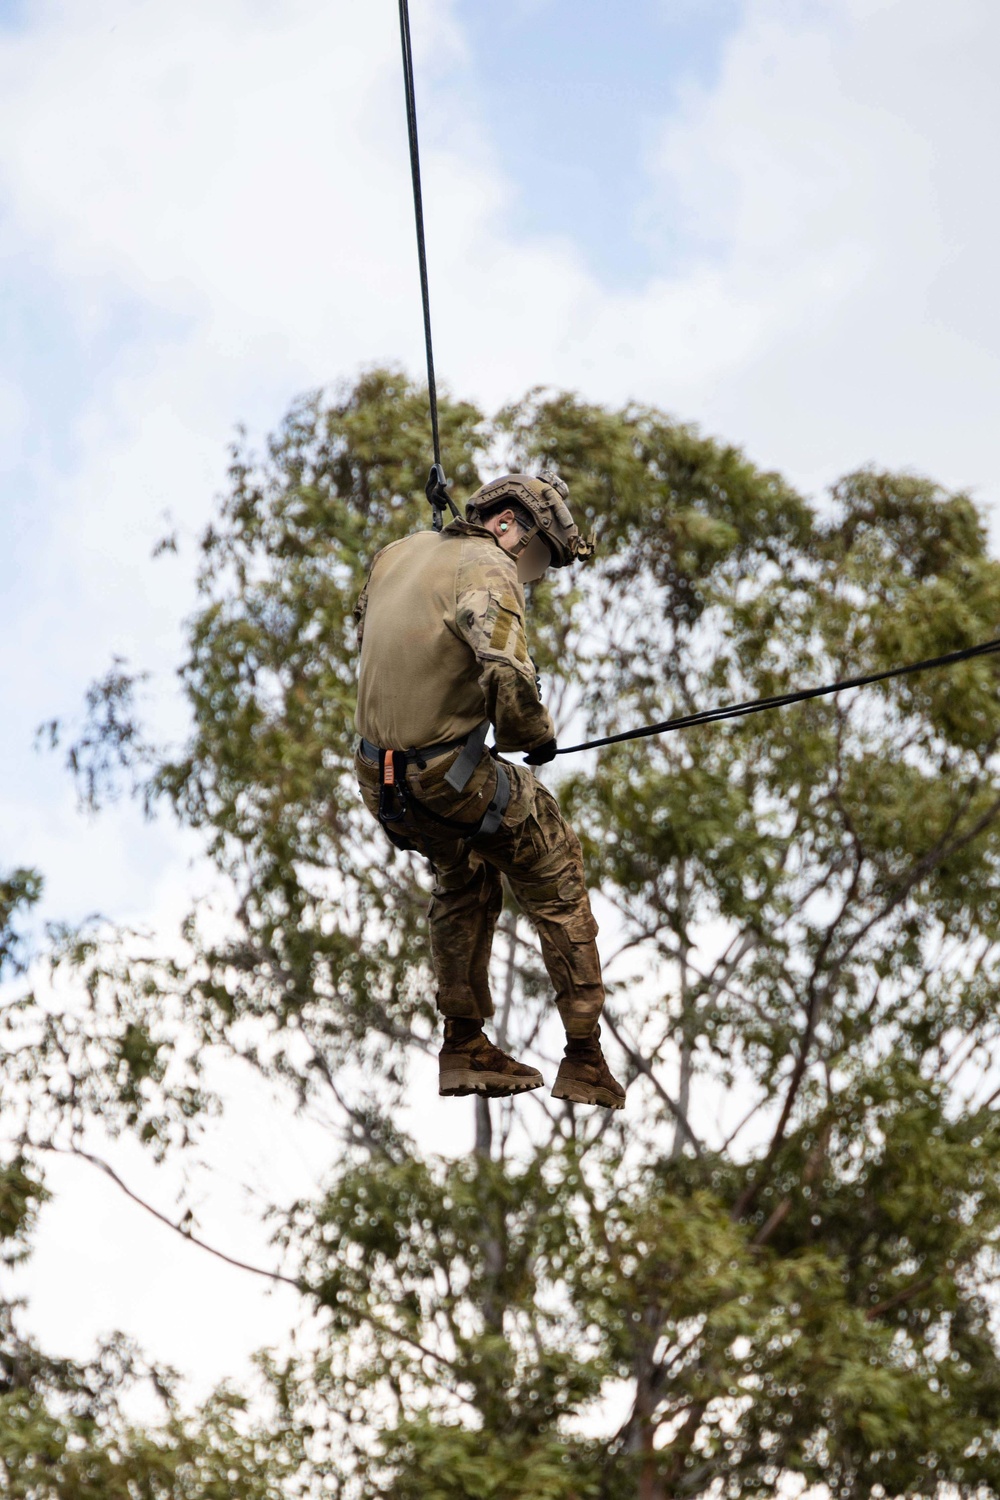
<point>780,1260</point>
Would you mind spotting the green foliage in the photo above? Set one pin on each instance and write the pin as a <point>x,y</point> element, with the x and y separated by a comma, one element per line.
<point>21,1194</point>
<point>64,1436</point>
<point>121,1054</point>
<point>437,1286</point>
<point>783,1260</point>
<point>107,740</point>
<point>18,893</point>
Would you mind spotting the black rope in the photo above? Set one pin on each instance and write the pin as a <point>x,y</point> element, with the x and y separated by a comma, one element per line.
<point>781,700</point>
<point>438,496</point>
<point>418,208</point>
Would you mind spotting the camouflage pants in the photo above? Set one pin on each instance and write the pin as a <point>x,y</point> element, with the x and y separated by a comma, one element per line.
<point>539,854</point>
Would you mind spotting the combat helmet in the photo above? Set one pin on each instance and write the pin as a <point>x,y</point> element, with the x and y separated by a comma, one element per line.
<point>544,498</point>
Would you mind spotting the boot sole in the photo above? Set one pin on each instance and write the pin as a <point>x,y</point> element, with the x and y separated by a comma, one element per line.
<point>459,1083</point>
<point>582,1093</point>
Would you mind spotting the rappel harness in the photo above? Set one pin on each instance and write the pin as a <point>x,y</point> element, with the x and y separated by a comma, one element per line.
<point>396,796</point>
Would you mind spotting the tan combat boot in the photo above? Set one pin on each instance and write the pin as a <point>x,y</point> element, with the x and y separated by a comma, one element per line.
<point>470,1064</point>
<point>584,1076</point>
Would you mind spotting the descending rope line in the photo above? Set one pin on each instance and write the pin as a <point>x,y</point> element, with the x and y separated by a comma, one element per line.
<point>418,209</point>
<point>781,700</point>
<point>438,495</point>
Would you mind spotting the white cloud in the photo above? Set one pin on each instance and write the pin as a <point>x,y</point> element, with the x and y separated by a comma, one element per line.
<point>242,169</point>
<point>836,172</point>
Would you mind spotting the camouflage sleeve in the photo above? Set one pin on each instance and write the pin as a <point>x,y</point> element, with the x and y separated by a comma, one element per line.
<point>490,619</point>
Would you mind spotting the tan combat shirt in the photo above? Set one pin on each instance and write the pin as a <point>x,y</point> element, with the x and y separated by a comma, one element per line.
<point>441,630</point>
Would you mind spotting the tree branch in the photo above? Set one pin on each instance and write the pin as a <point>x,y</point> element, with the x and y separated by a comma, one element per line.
<point>900,1298</point>
<point>240,1265</point>
<point>639,1062</point>
<point>178,1228</point>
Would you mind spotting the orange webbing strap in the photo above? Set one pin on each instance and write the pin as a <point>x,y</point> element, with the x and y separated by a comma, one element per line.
<point>392,789</point>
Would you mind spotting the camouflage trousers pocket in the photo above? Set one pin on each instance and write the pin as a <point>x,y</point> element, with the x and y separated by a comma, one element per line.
<point>523,788</point>
<point>582,929</point>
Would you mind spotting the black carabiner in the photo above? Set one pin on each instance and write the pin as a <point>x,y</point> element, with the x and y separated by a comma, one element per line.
<point>436,490</point>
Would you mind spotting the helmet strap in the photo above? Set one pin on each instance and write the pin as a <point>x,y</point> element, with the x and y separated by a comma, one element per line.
<point>524,541</point>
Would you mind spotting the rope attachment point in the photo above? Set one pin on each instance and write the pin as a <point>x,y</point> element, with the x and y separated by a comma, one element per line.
<point>436,490</point>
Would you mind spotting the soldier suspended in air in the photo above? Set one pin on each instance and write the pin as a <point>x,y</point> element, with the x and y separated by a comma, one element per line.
<point>443,657</point>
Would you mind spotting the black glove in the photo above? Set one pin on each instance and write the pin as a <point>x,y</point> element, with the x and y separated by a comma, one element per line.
<point>542,754</point>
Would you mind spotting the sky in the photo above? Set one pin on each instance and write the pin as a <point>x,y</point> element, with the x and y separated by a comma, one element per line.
<point>773,218</point>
